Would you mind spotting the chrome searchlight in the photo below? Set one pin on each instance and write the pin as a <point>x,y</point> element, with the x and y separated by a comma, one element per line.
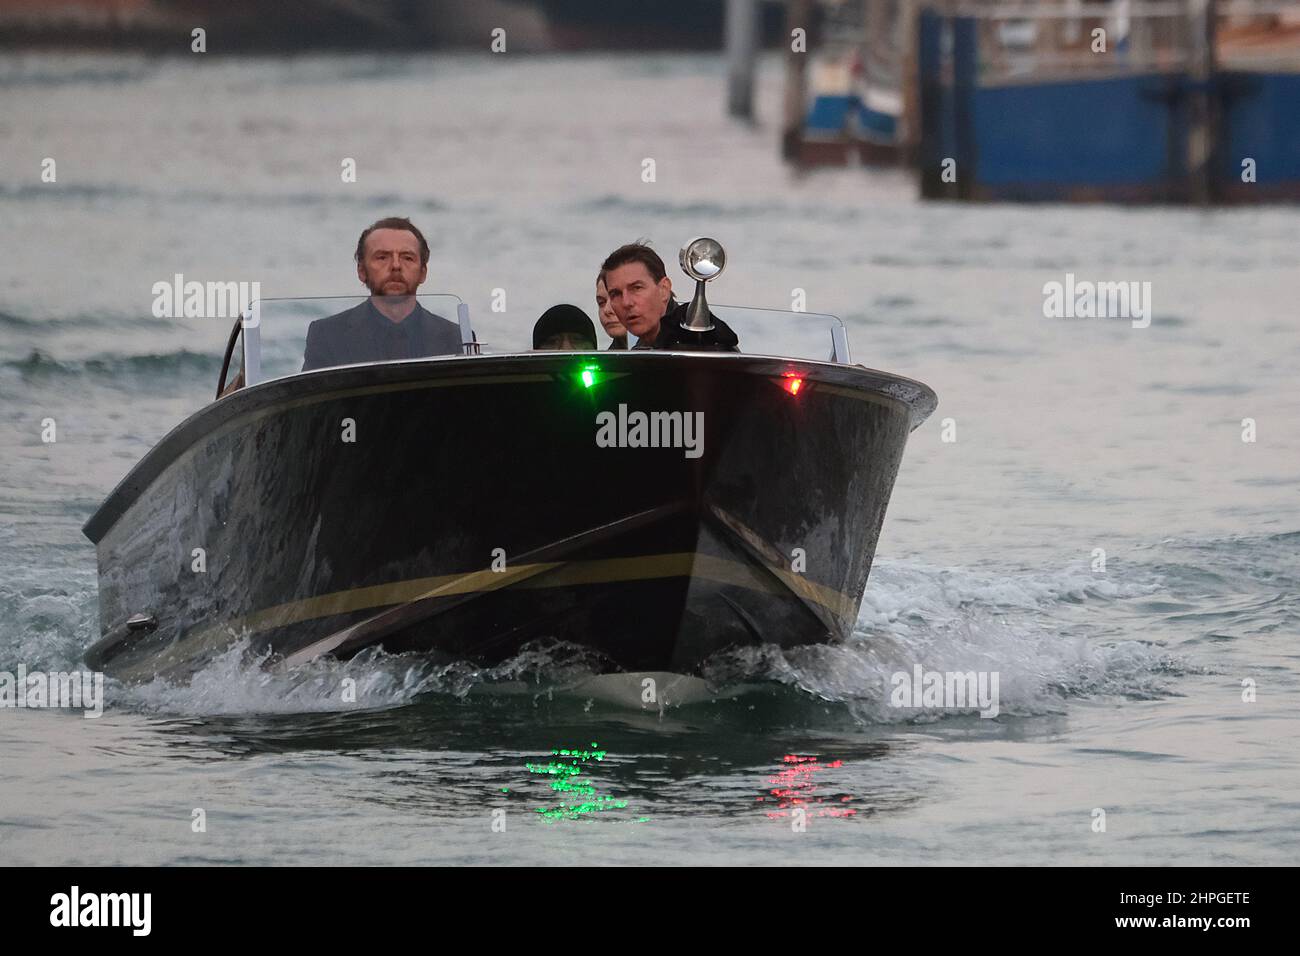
<point>702,259</point>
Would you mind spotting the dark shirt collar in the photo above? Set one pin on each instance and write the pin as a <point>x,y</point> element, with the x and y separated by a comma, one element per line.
<point>406,324</point>
<point>395,340</point>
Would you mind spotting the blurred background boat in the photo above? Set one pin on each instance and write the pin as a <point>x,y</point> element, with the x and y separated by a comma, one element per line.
<point>856,104</point>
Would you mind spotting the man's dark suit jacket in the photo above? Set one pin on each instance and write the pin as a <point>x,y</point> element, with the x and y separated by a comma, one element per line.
<point>364,334</point>
<point>673,337</point>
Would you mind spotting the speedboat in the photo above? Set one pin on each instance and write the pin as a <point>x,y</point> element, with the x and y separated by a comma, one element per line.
<point>654,508</point>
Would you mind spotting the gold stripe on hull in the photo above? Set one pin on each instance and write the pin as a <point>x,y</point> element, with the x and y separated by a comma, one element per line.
<point>546,574</point>
<point>536,575</point>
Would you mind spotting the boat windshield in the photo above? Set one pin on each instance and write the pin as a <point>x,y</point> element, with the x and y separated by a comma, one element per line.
<point>806,335</point>
<point>286,336</point>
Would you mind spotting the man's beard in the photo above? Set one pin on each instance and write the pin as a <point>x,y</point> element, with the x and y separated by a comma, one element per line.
<point>377,288</point>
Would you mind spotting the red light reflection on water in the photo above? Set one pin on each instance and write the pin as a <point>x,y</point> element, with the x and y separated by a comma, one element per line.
<point>795,786</point>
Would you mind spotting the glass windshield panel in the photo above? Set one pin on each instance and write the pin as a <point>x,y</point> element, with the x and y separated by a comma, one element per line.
<point>805,335</point>
<point>286,336</point>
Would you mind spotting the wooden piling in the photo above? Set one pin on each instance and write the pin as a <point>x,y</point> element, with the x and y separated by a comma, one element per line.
<point>1202,112</point>
<point>742,53</point>
<point>798,15</point>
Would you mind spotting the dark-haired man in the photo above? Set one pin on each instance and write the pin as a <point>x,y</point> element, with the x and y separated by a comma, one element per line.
<point>392,261</point>
<point>642,297</point>
<point>639,290</point>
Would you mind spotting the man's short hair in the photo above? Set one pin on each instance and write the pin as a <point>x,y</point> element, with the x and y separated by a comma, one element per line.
<point>394,222</point>
<point>637,251</point>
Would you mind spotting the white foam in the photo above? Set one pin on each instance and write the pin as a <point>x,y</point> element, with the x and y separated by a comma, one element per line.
<point>238,682</point>
<point>962,620</point>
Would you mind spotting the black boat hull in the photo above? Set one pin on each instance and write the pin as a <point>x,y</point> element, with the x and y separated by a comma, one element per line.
<point>473,512</point>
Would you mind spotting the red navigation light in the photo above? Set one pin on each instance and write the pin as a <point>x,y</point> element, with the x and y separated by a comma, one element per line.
<point>793,384</point>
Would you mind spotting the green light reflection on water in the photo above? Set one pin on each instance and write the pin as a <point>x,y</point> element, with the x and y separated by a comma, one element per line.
<point>564,773</point>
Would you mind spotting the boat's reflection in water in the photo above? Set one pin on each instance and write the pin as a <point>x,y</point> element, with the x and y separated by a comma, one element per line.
<point>758,756</point>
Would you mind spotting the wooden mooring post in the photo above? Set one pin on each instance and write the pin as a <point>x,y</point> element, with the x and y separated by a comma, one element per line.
<point>798,16</point>
<point>1203,103</point>
<point>742,53</point>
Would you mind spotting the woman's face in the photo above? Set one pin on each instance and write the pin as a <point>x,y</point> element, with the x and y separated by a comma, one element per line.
<point>608,320</point>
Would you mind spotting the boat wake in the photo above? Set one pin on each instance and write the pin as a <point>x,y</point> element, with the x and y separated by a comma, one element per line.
<point>1038,631</point>
<point>1051,637</point>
